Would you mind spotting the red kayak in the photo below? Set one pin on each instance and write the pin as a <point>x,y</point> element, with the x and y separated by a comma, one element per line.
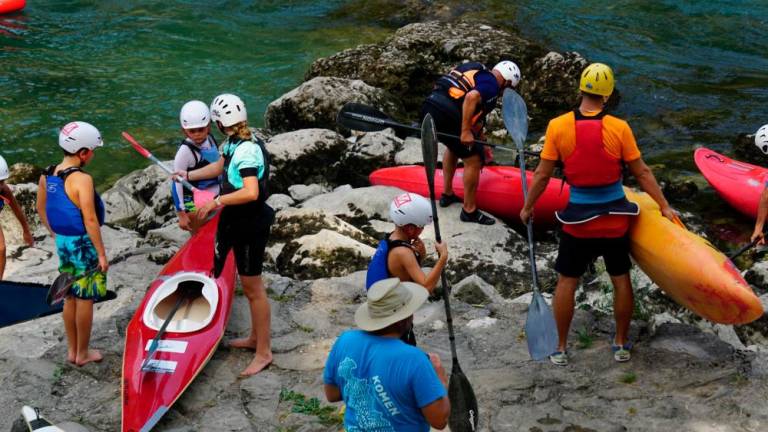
<point>191,336</point>
<point>738,183</point>
<point>8,6</point>
<point>499,192</point>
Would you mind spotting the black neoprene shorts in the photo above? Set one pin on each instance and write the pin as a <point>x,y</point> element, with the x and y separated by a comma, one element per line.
<point>448,120</point>
<point>246,237</point>
<point>575,254</point>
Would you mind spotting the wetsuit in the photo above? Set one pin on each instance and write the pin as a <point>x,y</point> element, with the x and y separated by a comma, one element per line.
<point>76,251</point>
<point>446,101</point>
<point>244,228</point>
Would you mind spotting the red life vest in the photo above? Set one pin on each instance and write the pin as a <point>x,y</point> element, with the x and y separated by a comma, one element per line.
<point>590,165</point>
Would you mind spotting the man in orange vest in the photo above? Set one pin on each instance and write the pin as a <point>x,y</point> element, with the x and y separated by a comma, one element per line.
<point>593,146</point>
<point>458,104</point>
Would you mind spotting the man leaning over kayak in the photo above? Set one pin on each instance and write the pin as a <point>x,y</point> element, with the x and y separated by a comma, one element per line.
<point>593,147</point>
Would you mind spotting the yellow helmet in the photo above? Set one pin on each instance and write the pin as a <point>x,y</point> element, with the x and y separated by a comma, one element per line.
<point>597,78</point>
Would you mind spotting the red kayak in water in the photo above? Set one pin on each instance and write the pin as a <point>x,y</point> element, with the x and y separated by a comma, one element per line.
<point>8,6</point>
<point>499,192</point>
<point>738,183</point>
<point>191,336</point>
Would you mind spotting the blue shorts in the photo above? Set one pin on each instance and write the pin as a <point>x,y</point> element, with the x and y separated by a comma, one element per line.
<point>77,255</point>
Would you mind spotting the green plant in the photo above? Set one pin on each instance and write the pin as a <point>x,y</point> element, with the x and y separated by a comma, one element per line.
<point>311,406</point>
<point>585,338</point>
<point>58,374</point>
<point>305,329</point>
<point>628,378</point>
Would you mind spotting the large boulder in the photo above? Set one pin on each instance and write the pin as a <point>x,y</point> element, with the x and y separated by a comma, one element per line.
<point>315,104</point>
<point>324,254</point>
<point>130,196</point>
<point>408,63</point>
<point>23,173</point>
<point>306,155</point>
<point>551,85</point>
<point>371,151</point>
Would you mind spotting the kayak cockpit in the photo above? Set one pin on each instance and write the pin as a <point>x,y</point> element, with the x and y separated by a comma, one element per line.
<point>195,312</point>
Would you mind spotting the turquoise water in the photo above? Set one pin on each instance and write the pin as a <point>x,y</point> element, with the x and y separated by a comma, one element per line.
<point>131,65</point>
<point>690,72</point>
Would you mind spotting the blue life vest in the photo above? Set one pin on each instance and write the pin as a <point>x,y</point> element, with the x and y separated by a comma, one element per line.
<point>64,216</point>
<point>378,269</point>
<point>203,157</point>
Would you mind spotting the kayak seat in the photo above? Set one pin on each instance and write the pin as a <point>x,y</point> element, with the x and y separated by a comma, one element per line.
<point>194,314</point>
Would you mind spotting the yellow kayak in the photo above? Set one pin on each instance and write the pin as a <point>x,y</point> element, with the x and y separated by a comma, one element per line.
<point>688,268</point>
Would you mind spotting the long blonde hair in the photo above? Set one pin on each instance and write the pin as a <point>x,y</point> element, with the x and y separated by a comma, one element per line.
<point>240,130</point>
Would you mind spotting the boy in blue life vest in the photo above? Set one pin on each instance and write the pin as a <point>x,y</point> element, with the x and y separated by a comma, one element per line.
<point>401,252</point>
<point>6,197</point>
<point>73,213</point>
<point>197,150</point>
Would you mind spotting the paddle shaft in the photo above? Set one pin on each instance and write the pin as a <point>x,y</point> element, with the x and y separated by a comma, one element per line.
<point>529,227</point>
<point>744,248</point>
<point>147,154</point>
<point>387,122</point>
<point>154,345</point>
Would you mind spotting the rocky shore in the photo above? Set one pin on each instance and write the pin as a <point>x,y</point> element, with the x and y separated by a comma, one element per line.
<point>685,375</point>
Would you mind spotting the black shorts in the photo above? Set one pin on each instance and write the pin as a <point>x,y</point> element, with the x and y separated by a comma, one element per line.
<point>575,254</point>
<point>246,237</point>
<point>447,117</point>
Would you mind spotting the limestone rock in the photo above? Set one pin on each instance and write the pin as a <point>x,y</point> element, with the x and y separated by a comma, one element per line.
<point>411,152</point>
<point>21,172</point>
<point>307,154</point>
<point>324,254</point>
<point>316,103</point>
<point>474,290</point>
<point>280,201</point>
<point>302,192</point>
<point>372,151</point>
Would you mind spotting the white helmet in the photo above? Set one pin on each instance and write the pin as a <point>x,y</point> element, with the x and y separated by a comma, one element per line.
<point>77,135</point>
<point>410,208</point>
<point>228,109</point>
<point>4,174</point>
<point>761,138</point>
<point>509,71</point>
<point>194,114</point>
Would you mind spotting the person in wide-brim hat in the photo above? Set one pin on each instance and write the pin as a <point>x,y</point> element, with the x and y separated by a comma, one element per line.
<point>389,301</point>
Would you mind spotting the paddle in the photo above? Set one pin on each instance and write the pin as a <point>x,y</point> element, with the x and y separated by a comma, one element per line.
<point>201,197</point>
<point>464,412</point>
<point>364,118</point>
<point>540,326</point>
<point>187,290</point>
<point>61,285</point>
<point>744,248</point>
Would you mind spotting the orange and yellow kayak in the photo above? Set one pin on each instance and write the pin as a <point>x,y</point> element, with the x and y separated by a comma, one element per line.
<point>688,268</point>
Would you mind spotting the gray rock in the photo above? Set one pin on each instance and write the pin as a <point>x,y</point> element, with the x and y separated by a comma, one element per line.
<point>372,151</point>
<point>26,196</point>
<point>411,153</point>
<point>22,172</point>
<point>316,103</point>
<point>475,291</point>
<point>307,154</point>
<point>301,192</point>
<point>292,223</point>
<point>324,254</point>
<point>280,201</point>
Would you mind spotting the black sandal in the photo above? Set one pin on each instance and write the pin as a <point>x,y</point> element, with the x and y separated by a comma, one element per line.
<point>477,217</point>
<point>446,200</point>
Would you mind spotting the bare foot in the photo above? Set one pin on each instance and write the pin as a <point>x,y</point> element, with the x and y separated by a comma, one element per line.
<point>247,343</point>
<point>71,357</point>
<point>93,356</point>
<point>258,364</point>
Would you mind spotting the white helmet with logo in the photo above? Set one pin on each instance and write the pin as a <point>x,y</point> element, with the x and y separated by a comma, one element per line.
<point>228,110</point>
<point>509,71</point>
<point>194,114</point>
<point>77,135</point>
<point>761,138</point>
<point>4,174</point>
<point>410,208</point>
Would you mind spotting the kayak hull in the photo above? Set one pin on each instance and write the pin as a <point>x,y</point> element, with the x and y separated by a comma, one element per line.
<point>148,395</point>
<point>9,6</point>
<point>688,268</point>
<point>738,183</point>
<point>499,191</point>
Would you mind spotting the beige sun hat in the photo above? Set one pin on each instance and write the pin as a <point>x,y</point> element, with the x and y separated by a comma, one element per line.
<point>389,301</point>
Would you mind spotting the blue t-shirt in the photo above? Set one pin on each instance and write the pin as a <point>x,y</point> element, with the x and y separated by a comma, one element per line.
<point>486,84</point>
<point>384,382</point>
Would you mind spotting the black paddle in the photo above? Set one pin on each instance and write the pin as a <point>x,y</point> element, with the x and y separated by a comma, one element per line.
<point>540,326</point>
<point>365,118</point>
<point>464,412</point>
<point>61,285</point>
<point>187,290</point>
<point>744,248</point>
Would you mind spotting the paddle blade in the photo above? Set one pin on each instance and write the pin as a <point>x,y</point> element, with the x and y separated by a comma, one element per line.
<point>464,412</point>
<point>515,115</point>
<point>429,148</point>
<point>135,144</point>
<point>59,288</point>
<point>202,197</point>
<point>540,328</point>
<point>361,117</point>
